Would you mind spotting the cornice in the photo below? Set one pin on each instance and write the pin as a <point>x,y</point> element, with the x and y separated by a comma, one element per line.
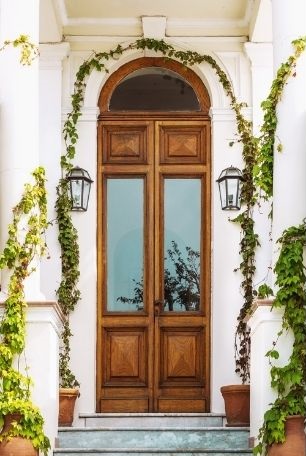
<point>88,114</point>
<point>51,55</point>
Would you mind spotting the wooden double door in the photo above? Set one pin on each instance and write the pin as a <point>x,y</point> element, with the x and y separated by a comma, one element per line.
<point>153,344</point>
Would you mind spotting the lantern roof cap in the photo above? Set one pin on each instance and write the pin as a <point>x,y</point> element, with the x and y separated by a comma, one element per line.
<point>79,173</point>
<point>230,173</point>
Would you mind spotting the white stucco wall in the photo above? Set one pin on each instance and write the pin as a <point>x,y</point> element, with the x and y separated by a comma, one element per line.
<point>226,297</point>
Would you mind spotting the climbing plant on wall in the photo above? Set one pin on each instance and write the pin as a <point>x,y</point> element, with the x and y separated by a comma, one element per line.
<point>263,169</point>
<point>25,243</point>
<point>289,381</point>
<point>28,50</point>
<point>253,163</point>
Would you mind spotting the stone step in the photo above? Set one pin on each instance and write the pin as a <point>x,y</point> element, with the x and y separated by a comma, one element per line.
<point>152,420</point>
<point>200,439</point>
<point>151,452</point>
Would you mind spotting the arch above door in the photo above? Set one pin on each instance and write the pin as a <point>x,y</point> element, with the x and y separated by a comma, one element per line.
<point>145,62</point>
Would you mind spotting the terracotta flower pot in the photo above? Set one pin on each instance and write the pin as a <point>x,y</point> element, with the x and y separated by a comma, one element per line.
<point>295,443</point>
<point>237,405</point>
<point>16,446</point>
<point>67,398</point>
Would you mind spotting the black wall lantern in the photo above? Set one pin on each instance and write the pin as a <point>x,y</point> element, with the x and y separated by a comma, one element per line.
<point>79,183</point>
<point>230,188</point>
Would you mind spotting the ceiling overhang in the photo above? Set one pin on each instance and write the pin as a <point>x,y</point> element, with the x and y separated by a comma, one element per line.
<point>123,18</point>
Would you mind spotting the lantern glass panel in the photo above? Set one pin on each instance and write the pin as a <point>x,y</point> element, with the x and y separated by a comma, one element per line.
<point>222,190</point>
<point>232,192</point>
<point>86,192</point>
<point>76,193</point>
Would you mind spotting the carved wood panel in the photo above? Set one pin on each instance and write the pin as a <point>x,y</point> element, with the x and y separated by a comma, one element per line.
<point>181,361</point>
<point>125,356</point>
<point>186,142</point>
<point>125,144</point>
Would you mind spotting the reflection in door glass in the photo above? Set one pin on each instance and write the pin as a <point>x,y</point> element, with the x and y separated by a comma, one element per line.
<point>124,244</point>
<point>182,227</point>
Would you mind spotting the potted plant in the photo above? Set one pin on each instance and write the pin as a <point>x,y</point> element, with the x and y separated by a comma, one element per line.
<point>68,296</point>
<point>69,386</point>
<point>20,420</point>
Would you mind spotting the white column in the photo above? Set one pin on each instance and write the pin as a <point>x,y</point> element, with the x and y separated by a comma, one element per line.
<point>289,191</point>
<point>265,324</point>
<point>19,154</point>
<point>261,59</point>
<point>51,149</point>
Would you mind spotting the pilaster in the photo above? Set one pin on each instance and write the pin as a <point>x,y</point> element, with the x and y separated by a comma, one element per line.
<point>50,149</point>
<point>260,56</point>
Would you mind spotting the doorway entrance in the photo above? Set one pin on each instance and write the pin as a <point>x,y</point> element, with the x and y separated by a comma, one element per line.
<point>153,344</point>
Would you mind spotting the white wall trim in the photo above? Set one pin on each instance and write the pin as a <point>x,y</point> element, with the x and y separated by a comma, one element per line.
<point>43,312</point>
<point>89,114</point>
<point>262,314</point>
<point>52,55</point>
<point>222,114</point>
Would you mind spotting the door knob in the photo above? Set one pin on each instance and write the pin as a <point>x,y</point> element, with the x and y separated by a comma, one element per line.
<point>158,307</point>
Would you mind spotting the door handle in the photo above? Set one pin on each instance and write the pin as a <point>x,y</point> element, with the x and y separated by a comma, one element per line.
<point>158,307</point>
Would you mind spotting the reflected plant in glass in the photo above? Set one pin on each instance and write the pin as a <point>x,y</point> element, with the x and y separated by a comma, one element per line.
<point>137,298</point>
<point>181,282</point>
<point>182,286</point>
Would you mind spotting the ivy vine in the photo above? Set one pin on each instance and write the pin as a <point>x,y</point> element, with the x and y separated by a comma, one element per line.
<point>254,164</point>
<point>68,292</point>
<point>28,50</point>
<point>289,381</point>
<point>263,169</point>
<point>25,243</point>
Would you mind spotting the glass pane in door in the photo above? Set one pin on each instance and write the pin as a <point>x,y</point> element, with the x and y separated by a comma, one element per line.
<point>125,239</point>
<point>182,228</point>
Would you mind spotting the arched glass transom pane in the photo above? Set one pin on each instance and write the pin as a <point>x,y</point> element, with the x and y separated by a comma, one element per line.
<point>154,89</point>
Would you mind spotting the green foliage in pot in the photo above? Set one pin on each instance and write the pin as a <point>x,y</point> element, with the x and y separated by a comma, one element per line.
<point>25,243</point>
<point>289,381</point>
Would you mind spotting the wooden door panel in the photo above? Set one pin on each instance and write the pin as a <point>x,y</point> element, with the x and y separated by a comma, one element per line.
<point>181,362</point>
<point>118,405</point>
<point>126,143</point>
<point>125,360</point>
<point>182,142</point>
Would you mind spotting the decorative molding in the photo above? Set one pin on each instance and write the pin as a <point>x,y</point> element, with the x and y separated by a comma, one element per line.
<point>222,114</point>
<point>186,39</point>
<point>52,55</point>
<point>259,54</point>
<point>89,114</point>
<point>262,312</point>
<point>232,62</point>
